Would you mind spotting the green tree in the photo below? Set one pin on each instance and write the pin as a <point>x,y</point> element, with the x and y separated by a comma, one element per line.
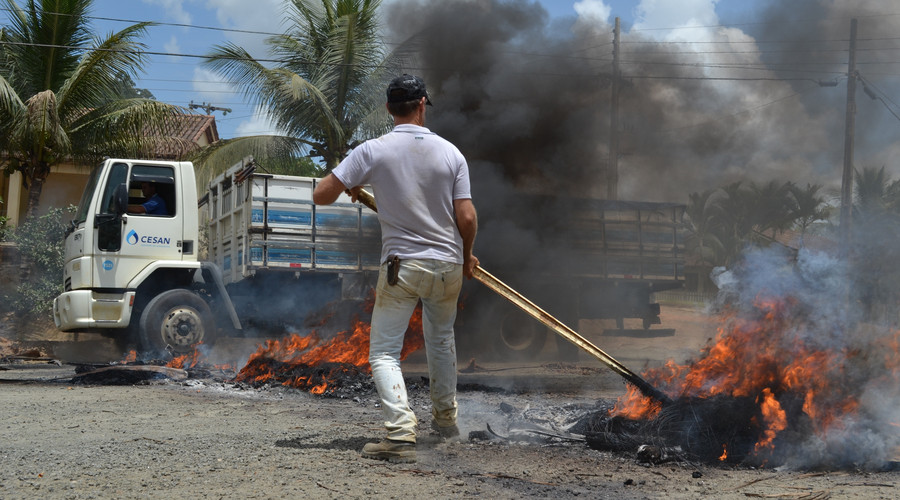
<point>770,208</point>
<point>60,94</point>
<point>872,189</point>
<point>808,206</point>
<point>702,241</point>
<point>325,93</point>
<point>875,243</point>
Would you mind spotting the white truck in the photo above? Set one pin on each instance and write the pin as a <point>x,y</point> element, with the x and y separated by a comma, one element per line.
<point>138,277</point>
<point>273,257</point>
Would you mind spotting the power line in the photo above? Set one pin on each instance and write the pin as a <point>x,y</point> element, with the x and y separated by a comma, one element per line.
<point>875,93</point>
<point>158,23</point>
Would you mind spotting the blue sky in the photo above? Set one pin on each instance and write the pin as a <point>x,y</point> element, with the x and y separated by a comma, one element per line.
<point>181,80</point>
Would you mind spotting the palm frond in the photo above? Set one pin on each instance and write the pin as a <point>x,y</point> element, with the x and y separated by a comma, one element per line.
<point>130,127</point>
<point>48,37</point>
<point>95,79</point>
<point>48,140</point>
<point>212,160</point>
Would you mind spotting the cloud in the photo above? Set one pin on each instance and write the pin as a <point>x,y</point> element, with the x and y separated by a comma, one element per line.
<point>211,86</point>
<point>655,14</point>
<point>258,125</point>
<point>592,10</point>
<point>172,46</point>
<point>264,16</point>
<point>174,9</point>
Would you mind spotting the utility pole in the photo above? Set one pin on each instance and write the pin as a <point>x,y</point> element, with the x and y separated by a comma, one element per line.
<point>209,108</point>
<point>612,172</point>
<point>849,131</point>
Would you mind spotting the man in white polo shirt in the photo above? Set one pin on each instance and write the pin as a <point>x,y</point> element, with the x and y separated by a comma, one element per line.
<point>428,228</point>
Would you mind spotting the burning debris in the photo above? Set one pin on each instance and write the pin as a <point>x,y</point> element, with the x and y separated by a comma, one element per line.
<point>790,379</point>
<point>330,367</point>
<point>126,374</point>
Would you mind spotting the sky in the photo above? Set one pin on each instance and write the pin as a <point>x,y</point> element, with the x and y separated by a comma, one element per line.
<point>181,80</point>
<point>713,91</point>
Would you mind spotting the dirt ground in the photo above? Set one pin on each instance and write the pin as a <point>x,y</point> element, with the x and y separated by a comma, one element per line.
<point>206,437</point>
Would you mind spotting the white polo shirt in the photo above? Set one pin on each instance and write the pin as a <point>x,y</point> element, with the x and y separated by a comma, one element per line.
<point>415,175</point>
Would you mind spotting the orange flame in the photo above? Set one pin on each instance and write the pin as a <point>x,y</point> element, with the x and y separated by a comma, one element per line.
<point>754,357</point>
<point>185,360</point>
<point>277,360</point>
<point>775,419</point>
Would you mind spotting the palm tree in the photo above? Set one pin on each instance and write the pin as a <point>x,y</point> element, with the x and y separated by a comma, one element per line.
<point>808,206</point>
<point>702,240</point>
<point>872,189</point>
<point>60,94</point>
<point>325,93</point>
<point>771,208</point>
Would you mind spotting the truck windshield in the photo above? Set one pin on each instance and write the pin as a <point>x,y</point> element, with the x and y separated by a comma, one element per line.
<point>87,196</point>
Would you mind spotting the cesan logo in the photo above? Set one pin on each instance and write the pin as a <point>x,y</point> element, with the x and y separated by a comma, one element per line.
<point>133,239</point>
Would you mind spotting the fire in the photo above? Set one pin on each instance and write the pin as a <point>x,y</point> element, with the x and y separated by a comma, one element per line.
<point>779,361</point>
<point>313,364</point>
<point>185,360</point>
<point>774,417</point>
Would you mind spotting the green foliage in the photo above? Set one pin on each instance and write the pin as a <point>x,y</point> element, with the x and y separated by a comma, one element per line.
<point>722,223</point>
<point>303,167</point>
<point>41,242</point>
<point>62,94</point>
<point>326,94</point>
<point>3,225</point>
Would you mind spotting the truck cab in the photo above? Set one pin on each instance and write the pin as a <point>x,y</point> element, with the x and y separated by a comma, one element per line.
<point>132,273</point>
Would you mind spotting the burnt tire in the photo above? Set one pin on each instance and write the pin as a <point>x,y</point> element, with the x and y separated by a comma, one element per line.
<point>175,321</point>
<point>518,335</point>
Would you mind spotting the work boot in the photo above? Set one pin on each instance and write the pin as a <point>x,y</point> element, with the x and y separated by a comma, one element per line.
<point>446,433</point>
<point>390,450</point>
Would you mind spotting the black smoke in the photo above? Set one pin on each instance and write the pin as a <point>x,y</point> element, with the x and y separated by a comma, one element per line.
<point>527,97</point>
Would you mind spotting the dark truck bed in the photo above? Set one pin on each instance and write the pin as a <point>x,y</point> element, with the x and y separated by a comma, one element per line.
<point>577,259</point>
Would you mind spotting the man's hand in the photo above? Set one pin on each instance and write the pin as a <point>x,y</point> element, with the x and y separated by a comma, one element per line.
<point>353,193</point>
<point>470,262</point>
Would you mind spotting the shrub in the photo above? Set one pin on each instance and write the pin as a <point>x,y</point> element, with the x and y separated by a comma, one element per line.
<point>41,242</point>
<point>3,225</point>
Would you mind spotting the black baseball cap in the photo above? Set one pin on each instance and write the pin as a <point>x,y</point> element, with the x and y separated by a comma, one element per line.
<point>407,88</point>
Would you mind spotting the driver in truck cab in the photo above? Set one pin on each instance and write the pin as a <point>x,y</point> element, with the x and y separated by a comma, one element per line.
<point>154,204</point>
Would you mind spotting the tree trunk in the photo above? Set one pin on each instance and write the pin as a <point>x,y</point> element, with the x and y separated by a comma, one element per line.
<point>34,195</point>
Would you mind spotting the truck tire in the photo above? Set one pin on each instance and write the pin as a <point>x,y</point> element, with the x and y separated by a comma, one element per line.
<point>518,335</point>
<point>175,321</point>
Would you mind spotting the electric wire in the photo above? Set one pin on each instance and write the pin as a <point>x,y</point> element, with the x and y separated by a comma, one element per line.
<point>882,97</point>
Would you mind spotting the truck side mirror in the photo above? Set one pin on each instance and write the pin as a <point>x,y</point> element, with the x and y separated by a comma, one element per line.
<point>120,199</point>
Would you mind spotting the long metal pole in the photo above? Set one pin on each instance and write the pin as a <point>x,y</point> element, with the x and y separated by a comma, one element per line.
<point>612,174</point>
<point>849,132</point>
<point>551,322</point>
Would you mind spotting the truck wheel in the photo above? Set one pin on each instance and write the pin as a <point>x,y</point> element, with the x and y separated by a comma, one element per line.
<point>175,321</point>
<point>520,336</point>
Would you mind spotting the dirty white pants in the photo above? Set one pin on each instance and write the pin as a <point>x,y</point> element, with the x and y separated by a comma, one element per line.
<point>437,284</point>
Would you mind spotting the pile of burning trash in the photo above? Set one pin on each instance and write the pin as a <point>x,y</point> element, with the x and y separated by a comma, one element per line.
<point>791,379</point>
